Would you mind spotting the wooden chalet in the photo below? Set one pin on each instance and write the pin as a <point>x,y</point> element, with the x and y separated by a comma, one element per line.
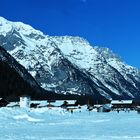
<point>122,103</point>
<point>3,102</point>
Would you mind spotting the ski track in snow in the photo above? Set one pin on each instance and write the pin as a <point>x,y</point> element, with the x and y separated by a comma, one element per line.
<point>57,124</point>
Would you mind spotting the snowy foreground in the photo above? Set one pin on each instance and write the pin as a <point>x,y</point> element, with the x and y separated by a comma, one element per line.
<point>57,124</point>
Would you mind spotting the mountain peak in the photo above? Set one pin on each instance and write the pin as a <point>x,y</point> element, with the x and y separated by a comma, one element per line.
<point>8,26</point>
<point>2,19</point>
<point>107,53</point>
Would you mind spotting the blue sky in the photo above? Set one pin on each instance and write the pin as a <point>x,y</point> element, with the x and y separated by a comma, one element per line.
<point>108,23</point>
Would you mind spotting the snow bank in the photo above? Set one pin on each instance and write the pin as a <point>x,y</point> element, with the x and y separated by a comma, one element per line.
<point>57,124</point>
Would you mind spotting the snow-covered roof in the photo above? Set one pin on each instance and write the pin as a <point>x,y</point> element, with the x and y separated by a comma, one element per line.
<point>121,102</point>
<point>2,99</point>
<point>56,103</point>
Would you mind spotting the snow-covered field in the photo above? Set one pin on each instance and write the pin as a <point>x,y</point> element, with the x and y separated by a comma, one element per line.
<point>57,124</point>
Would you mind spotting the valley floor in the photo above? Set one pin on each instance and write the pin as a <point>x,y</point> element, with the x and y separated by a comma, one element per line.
<point>56,124</point>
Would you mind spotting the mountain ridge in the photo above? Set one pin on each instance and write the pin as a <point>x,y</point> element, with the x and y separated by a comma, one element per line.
<point>54,62</point>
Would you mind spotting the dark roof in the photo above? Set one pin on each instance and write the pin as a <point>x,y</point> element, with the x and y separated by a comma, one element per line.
<point>3,102</point>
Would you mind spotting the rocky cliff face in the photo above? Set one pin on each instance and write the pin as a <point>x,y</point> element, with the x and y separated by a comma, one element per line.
<point>69,65</point>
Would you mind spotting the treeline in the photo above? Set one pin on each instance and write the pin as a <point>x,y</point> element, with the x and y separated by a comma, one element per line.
<point>12,85</point>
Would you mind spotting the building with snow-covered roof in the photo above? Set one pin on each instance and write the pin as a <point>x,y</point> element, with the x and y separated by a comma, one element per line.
<point>3,102</point>
<point>122,103</point>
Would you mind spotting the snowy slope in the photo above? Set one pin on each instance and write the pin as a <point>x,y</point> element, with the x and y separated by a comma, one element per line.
<point>44,124</point>
<point>69,65</point>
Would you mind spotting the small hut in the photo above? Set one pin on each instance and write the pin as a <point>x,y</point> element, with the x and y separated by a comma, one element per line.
<point>24,101</point>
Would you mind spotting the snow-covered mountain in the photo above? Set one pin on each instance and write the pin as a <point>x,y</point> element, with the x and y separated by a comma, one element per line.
<point>14,79</point>
<point>69,65</point>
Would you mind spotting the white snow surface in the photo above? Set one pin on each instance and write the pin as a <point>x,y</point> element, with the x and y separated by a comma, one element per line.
<point>57,124</point>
